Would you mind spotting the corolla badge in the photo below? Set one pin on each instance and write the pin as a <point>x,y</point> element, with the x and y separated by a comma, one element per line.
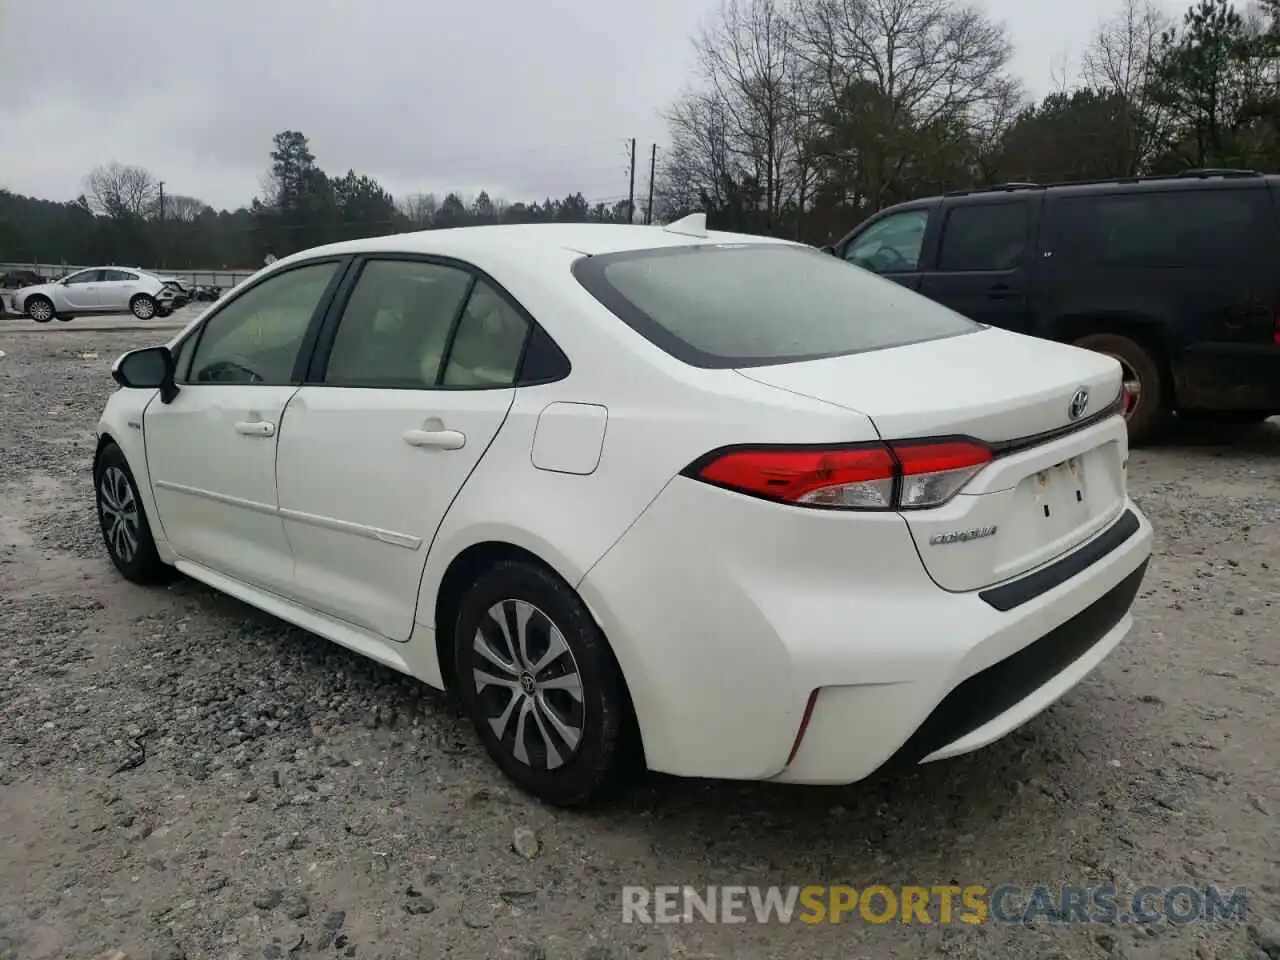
<point>962,536</point>
<point>1079,403</point>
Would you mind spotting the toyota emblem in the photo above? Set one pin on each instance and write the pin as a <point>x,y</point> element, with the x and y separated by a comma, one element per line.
<point>1079,403</point>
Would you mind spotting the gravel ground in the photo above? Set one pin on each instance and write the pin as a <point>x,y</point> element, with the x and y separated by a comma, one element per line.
<point>181,776</point>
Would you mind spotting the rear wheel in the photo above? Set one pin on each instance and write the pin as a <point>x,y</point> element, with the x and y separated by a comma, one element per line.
<point>541,686</point>
<point>1146,394</point>
<point>39,309</point>
<point>143,306</point>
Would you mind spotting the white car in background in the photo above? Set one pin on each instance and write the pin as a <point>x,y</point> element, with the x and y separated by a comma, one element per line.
<point>97,290</point>
<point>719,505</point>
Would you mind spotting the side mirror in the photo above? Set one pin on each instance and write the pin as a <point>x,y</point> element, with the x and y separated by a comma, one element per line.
<point>147,369</point>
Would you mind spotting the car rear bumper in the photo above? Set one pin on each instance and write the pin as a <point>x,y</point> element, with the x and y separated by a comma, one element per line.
<point>735,620</point>
<point>1229,376</point>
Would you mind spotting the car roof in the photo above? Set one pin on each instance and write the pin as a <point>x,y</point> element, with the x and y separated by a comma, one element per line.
<point>579,239</point>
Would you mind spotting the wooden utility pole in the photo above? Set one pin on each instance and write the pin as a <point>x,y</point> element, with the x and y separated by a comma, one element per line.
<point>631,193</point>
<point>653,166</point>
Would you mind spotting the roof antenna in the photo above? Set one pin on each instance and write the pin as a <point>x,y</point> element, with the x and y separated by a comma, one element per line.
<point>694,225</point>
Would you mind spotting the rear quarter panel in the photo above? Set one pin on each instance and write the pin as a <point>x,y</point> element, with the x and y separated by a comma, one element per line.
<point>662,415</point>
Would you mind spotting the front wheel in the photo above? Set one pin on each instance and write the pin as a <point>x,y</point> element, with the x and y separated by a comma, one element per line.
<point>39,309</point>
<point>541,685</point>
<point>1146,395</point>
<point>143,307</point>
<point>125,529</point>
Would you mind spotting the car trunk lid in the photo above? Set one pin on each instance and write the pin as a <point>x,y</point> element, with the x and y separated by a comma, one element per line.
<point>1058,476</point>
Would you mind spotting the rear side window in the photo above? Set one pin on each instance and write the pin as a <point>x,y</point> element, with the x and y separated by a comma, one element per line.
<point>1182,228</point>
<point>988,236</point>
<point>741,305</point>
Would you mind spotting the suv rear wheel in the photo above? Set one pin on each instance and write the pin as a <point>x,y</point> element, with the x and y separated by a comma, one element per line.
<point>1146,395</point>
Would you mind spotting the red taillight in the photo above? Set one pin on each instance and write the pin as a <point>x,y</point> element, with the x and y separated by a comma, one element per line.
<point>874,476</point>
<point>1275,329</point>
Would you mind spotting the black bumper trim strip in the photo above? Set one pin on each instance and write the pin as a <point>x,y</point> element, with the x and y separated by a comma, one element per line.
<point>1014,594</point>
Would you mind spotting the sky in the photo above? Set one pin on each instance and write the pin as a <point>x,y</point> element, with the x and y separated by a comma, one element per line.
<point>524,98</point>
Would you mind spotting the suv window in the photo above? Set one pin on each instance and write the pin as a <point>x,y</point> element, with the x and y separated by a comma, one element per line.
<point>751,304</point>
<point>255,338</point>
<point>891,245</point>
<point>490,340</point>
<point>1176,228</point>
<point>984,236</point>
<point>395,327</point>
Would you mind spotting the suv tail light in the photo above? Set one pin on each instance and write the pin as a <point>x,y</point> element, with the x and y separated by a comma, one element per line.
<point>906,475</point>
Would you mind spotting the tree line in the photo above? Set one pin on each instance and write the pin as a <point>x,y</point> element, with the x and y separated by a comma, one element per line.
<point>123,217</point>
<point>808,115</point>
<point>803,117</point>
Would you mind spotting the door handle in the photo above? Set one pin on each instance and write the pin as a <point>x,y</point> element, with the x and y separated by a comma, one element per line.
<point>437,439</point>
<point>256,428</point>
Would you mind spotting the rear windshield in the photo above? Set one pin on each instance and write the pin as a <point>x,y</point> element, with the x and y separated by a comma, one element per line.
<point>743,305</point>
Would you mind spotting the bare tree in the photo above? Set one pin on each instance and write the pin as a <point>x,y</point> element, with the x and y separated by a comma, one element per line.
<point>747,57</point>
<point>1122,60</point>
<point>419,209</point>
<point>118,191</point>
<point>931,59</point>
<point>904,78</point>
<point>182,209</point>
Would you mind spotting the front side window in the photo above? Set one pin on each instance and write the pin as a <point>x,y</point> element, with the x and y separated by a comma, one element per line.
<point>985,237</point>
<point>84,276</point>
<point>751,304</point>
<point>891,245</point>
<point>395,328</point>
<point>256,337</point>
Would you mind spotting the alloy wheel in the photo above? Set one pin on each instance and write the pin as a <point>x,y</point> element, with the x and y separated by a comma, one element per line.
<point>144,308</point>
<point>118,509</point>
<point>528,685</point>
<point>40,311</point>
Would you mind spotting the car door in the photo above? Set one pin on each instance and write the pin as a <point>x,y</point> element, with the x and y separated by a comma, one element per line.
<point>891,246</point>
<point>115,289</point>
<point>983,262</point>
<point>413,379</point>
<point>82,291</point>
<point>211,452</point>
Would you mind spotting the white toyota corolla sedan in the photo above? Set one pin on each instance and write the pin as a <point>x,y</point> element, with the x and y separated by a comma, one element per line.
<point>719,505</point>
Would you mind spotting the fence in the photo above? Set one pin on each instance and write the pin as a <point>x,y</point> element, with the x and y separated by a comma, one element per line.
<point>212,278</point>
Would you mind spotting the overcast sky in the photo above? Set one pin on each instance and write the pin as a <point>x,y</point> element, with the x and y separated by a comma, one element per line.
<point>526,98</point>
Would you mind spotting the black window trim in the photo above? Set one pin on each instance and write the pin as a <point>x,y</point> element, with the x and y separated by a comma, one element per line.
<point>327,331</point>
<point>307,346</point>
<point>589,271</point>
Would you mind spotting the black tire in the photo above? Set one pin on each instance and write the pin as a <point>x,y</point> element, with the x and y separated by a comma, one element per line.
<point>163,310</point>
<point>143,306</point>
<point>39,309</point>
<point>605,749</point>
<point>115,492</point>
<point>64,317</point>
<point>1154,403</point>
